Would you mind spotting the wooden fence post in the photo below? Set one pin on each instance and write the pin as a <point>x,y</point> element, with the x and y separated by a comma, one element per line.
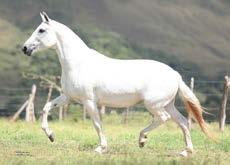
<point>60,113</point>
<point>224,103</point>
<point>84,113</point>
<point>19,111</point>
<point>101,111</point>
<point>126,114</point>
<point>30,116</point>
<point>189,116</point>
<point>65,109</point>
<point>49,93</point>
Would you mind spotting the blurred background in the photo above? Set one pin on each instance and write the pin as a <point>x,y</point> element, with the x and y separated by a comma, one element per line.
<point>192,36</point>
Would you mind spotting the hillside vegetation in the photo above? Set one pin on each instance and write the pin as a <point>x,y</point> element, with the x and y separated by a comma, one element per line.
<point>193,30</point>
<point>10,61</point>
<point>189,35</point>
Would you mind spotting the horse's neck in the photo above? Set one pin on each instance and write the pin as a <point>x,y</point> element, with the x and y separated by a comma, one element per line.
<point>70,48</point>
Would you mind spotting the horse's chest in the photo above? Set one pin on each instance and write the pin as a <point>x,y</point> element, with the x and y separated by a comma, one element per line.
<point>74,88</point>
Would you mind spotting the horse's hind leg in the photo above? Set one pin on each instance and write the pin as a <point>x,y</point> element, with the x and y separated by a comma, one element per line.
<point>143,134</point>
<point>160,117</point>
<point>183,123</point>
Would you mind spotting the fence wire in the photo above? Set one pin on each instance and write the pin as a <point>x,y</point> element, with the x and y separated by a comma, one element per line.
<point>12,98</point>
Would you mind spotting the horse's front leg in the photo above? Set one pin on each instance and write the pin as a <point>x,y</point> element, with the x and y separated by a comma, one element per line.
<point>91,108</point>
<point>59,101</point>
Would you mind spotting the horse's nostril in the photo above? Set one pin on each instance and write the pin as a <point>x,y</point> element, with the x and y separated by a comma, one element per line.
<point>24,49</point>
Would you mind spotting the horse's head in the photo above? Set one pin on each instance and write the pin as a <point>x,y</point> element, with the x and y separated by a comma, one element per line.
<point>43,37</point>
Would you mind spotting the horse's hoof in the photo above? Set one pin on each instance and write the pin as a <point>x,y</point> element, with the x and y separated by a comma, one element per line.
<point>101,149</point>
<point>51,137</point>
<point>141,144</point>
<point>185,153</point>
<point>142,141</point>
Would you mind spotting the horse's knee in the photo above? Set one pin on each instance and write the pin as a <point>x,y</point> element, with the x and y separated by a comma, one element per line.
<point>47,107</point>
<point>44,126</point>
<point>164,116</point>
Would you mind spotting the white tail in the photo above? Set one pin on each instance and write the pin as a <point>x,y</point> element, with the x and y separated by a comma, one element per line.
<point>193,107</point>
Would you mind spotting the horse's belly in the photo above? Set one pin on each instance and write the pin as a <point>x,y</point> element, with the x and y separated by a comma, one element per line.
<point>118,100</point>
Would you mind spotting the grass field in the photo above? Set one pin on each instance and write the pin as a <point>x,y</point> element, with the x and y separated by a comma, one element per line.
<point>25,143</point>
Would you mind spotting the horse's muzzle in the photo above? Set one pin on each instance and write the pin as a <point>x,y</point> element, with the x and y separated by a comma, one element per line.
<point>27,51</point>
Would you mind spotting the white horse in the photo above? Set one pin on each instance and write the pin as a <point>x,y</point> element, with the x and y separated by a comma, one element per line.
<point>93,79</point>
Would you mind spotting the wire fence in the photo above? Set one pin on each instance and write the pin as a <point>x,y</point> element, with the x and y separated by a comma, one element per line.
<point>12,98</point>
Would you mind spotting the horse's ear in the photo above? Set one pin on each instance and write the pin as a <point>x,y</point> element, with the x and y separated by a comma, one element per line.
<point>44,17</point>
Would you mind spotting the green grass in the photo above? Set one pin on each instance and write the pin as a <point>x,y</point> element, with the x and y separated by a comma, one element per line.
<point>25,143</point>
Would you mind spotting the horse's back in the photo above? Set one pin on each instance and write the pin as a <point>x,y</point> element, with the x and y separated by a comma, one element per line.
<point>130,81</point>
<point>139,71</point>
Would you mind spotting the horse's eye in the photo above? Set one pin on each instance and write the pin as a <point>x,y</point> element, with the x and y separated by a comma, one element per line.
<point>41,31</point>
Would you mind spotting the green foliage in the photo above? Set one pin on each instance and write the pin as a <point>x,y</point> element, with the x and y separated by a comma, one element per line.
<point>44,63</point>
<point>170,27</point>
<point>108,43</point>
